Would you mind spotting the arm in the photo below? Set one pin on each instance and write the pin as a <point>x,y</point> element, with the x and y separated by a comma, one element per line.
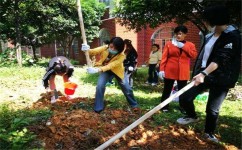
<point>164,57</point>
<point>190,49</point>
<point>114,63</point>
<point>199,78</point>
<point>97,50</point>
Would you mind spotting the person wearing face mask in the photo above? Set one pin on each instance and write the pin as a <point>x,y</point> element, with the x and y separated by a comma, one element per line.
<point>175,62</point>
<point>216,69</point>
<point>110,64</point>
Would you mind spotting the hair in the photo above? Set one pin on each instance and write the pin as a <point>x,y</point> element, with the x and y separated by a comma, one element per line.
<point>60,67</point>
<point>129,46</point>
<point>106,42</point>
<point>156,45</point>
<point>181,28</point>
<point>216,15</point>
<point>118,43</point>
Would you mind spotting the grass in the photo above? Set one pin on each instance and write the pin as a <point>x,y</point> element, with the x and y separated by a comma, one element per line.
<point>22,86</point>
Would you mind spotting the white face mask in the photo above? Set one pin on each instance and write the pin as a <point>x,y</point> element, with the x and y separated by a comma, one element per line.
<point>113,52</point>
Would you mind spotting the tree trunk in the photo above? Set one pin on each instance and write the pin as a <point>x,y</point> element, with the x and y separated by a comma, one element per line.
<point>18,44</point>
<point>34,51</point>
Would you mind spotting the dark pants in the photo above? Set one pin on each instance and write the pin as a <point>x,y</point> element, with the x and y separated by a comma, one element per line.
<point>215,99</point>
<point>168,85</point>
<point>153,77</point>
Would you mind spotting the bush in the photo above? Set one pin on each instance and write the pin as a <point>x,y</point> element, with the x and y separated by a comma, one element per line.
<point>8,58</point>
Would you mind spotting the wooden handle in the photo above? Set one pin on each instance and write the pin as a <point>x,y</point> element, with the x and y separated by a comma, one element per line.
<point>84,39</point>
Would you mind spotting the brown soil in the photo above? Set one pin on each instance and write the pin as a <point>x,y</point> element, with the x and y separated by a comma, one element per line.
<point>74,125</point>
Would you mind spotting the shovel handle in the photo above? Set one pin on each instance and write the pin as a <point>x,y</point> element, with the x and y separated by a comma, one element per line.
<point>84,39</point>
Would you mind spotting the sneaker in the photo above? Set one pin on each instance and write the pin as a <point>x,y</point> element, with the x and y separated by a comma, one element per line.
<point>153,84</point>
<point>186,120</point>
<point>211,137</point>
<point>53,100</point>
<point>69,97</point>
<point>164,110</point>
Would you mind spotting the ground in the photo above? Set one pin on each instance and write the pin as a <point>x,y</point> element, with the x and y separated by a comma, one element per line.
<point>74,125</point>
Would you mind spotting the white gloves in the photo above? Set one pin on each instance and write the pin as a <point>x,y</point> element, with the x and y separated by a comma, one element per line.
<point>174,41</point>
<point>92,70</point>
<point>131,68</point>
<point>177,43</point>
<point>85,47</point>
<point>161,74</point>
<point>180,44</point>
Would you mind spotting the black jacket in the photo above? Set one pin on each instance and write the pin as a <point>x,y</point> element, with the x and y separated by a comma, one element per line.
<point>130,60</point>
<point>59,65</point>
<point>226,53</point>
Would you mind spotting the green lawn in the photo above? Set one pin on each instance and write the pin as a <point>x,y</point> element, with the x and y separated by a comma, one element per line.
<point>20,87</point>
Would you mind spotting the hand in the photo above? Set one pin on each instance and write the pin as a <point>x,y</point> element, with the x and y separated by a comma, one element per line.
<point>92,70</point>
<point>177,43</point>
<point>85,47</point>
<point>198,79</point>
<point>131,68</point>
<point>180,44</point>
<point>162,74</point>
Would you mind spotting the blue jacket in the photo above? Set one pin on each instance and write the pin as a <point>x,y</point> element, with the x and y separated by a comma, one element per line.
<point>226,53</point>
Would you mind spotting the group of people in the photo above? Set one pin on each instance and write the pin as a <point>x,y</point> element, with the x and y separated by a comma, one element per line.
<point>216,68</point>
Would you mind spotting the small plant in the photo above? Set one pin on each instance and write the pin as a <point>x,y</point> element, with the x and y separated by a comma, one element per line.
<point>13,131</point>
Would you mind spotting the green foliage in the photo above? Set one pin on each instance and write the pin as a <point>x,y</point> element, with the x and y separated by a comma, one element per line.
<point>39,22</point>
<point>8,58</point>
<point>13,126</point>
<point>138,14</point>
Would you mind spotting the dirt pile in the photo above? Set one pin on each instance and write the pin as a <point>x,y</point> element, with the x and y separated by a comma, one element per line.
<point>74,125</point>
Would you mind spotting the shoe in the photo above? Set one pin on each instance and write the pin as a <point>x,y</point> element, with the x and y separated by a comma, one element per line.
<point>186,120</point>
<point>211,137</point>
<point>153,84</point>
<point>136,109</point>
<point>164,110</point>
<point>147,82</point>
<point>53,100</point>
<point>69,97</point>
<point>98,112</point>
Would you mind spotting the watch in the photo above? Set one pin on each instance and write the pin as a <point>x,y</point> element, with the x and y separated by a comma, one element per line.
<point>204,73</point>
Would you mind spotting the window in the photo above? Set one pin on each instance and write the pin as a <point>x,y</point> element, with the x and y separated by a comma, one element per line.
<point>161,36</point>
<point>75,46</point>
<point>103,36</point>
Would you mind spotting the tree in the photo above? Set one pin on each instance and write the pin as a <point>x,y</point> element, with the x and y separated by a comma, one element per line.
<point>42,21</point>
<point>138,14</point>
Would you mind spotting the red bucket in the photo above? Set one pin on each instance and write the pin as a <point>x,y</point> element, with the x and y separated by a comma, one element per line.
<point>70,88</point>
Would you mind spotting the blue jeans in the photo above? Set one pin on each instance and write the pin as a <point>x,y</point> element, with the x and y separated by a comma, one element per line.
<point>215,100</point>
<point>100,90</point>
